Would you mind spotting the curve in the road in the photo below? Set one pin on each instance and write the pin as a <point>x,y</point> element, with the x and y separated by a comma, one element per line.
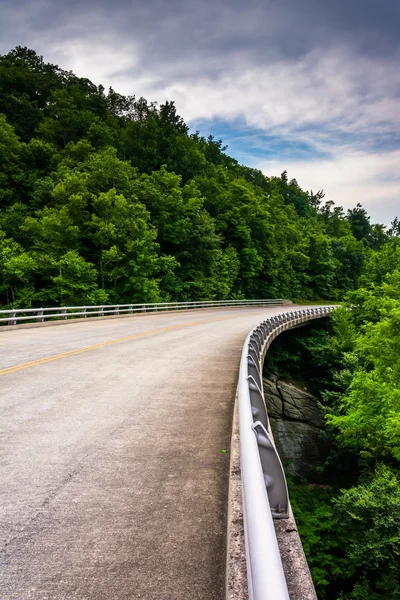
<point>114,467</point>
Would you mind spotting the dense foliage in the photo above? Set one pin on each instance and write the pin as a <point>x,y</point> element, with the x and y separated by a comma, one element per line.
<point>350,520</point>
<point>108,198</point>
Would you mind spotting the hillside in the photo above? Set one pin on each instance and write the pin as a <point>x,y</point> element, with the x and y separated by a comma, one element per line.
<point>108,198</point>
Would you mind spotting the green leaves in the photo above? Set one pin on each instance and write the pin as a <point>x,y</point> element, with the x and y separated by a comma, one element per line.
<point>17,268</point>
<point>75,282</point>
<point>11,172</point>
<point>369,417</point>
<point>351,538</point>
<point>158,212</point>
<point>370,513</point>
<point>350,525</point>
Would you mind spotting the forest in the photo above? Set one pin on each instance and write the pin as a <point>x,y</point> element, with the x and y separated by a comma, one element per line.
<point>106,198</point>
<point>110,199</point>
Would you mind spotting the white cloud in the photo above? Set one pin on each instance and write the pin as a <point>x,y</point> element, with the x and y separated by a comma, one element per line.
<point>97,61</point>
<point>326,89</point>
<point>369,178</point>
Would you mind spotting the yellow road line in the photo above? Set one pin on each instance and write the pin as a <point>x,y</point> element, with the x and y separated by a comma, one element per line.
<point>41,361</point>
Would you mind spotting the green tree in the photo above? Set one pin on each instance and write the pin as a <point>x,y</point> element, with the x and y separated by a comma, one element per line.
<point>12,171</point>
<point>17,269</point>
<point>74,282</point>
<point>26,84</point>
<point>183,221</point>
<point>369,517</point>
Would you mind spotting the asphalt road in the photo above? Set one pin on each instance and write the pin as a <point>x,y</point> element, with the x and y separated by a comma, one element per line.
<point>113,455</point>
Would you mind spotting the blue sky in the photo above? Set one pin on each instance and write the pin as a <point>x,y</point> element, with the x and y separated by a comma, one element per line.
<point>249,144</point>
<point>309,86</point>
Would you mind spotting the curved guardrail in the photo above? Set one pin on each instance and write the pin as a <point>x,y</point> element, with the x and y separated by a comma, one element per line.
<point>14,316</point>
<point>264,489</point>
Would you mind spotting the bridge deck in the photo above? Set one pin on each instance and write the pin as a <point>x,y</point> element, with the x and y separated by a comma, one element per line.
<point>114,465</point>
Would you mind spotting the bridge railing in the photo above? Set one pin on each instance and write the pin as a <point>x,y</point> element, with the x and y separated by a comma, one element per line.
<point>14,316</point>
<point>264,489</point>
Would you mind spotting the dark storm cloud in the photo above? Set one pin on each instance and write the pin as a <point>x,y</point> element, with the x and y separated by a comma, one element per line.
<point>177,40</point>
<point>266,30</point>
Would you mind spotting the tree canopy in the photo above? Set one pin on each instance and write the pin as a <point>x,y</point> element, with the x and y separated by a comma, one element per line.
<point>110,198</point>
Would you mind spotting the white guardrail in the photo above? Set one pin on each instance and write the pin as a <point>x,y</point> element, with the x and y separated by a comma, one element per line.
<point>264,489</point>
<point>14,316</point>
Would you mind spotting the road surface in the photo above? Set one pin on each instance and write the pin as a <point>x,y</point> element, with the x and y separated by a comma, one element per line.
<point>114,455</point>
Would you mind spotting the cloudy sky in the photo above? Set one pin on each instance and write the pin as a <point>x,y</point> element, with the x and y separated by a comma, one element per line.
<point>311,86</point>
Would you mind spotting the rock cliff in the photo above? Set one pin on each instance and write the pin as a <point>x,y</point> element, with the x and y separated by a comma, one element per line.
<point>297,425</point>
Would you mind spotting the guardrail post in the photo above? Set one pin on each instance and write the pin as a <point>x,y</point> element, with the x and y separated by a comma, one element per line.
<point>253,369</point>
<point>116,312</point>
<point>274,476</point>
<point>259,336</point>
<point>130,309</point>
<point>255,338</point>
<point>11,319</point>
<point>63,313</point>
<point>83,312</point>
<point>258,406</point>
<point>39,315</point>
<point>254,352</point>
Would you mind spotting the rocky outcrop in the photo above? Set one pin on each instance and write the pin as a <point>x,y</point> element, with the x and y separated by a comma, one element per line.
<point>297,425</point>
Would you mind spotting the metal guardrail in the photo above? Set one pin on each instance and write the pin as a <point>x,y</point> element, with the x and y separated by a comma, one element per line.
<point>14,316</point>
<point>264,489</point>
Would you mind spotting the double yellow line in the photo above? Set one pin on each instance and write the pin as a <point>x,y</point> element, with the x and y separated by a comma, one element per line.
<point>128,338</point>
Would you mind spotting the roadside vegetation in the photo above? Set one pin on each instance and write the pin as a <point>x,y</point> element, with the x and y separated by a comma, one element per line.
<point>349,515</point>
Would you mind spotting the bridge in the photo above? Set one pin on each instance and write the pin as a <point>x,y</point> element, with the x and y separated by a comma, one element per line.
<point>115,449</point>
